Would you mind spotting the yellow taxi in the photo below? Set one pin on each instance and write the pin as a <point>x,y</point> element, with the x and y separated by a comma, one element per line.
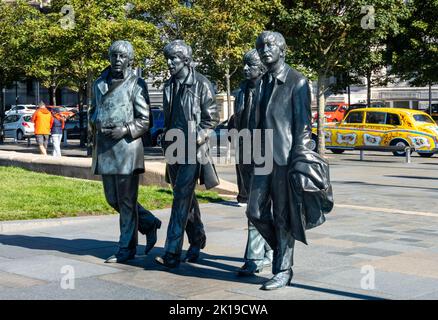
<point>382,127</point>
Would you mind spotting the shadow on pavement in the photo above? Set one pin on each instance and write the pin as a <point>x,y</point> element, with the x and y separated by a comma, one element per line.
<point>381,185</point>
<point>337,292</point>
<point>206,267</point>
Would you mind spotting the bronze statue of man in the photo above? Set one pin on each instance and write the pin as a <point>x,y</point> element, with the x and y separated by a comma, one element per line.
<point>189,105</point>
<point>119,116</point>
<point>258,254</point>
<point>283,106</point>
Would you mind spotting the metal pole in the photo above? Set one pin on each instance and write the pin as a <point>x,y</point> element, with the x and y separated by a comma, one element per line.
<point>408,154</point>
<point>430,99</point>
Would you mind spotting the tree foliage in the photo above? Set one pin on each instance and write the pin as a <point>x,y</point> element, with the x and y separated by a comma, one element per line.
<point>415,49</point>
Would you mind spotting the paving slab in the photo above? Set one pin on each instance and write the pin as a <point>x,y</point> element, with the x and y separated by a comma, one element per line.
<point>51,267</point>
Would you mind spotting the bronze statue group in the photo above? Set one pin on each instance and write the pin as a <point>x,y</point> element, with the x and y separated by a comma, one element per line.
<point>281,204</point>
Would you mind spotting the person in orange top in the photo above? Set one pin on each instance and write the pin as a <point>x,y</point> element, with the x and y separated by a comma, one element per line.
<point>43,120</point>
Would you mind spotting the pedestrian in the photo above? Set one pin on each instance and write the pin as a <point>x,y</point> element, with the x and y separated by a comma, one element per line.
<point>56,131</point>
<point>42,118</point>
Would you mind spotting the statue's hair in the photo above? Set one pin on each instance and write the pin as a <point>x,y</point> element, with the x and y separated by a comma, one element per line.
<point>180,49</point>
<point>253,57</point>
<point>123,45</point>
<point>272,35</point>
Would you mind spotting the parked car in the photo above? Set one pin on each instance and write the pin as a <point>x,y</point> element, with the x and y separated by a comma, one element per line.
<point>334,112</point>
<point>156,131</point>
<point>21,108</point>
<point>72,125</point>
<point>382,127</point>
<point>18,126</point>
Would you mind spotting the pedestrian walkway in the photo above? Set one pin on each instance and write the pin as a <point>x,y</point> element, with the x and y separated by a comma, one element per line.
<point>356,254</point>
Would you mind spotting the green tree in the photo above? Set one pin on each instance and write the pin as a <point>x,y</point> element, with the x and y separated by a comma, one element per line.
<point>14,37</point>
<point>325,36</point>
<point>219,31</point>
<point>415,49</point>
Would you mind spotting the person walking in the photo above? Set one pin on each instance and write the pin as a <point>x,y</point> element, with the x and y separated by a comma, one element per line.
<point>43,120</point>
<point>56,132</point>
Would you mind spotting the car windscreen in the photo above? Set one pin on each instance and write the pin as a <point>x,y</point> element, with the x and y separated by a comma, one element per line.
<point>330,108</point>
<point>423,118</point>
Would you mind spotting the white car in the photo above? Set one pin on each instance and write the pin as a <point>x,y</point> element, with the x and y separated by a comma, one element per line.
<point>18,126</point>
<point>21,108</point>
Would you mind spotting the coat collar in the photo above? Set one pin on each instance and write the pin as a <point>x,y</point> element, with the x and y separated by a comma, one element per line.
<point>282,74</point>
<point>102,81</point>
<point>188,81</point>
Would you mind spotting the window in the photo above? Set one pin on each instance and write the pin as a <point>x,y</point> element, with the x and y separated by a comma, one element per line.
<point>330,108</point>
<point>392,119</point>
<point>355,117</point>
<point>27,118</point>
<point>423,118</point>
<point>11,119</point>
<point>376,117</point>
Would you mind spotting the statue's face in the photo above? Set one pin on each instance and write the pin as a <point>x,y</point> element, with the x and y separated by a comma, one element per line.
<point>251,71</point>
<point>119,60</point>
<point>175,63</point>
<point>269,51</point>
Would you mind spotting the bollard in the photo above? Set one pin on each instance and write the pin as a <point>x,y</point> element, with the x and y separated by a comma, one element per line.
<point>408,154</point>
<point>362,154</point>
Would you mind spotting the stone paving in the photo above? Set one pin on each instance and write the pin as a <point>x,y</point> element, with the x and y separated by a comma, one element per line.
<point>379,242</point>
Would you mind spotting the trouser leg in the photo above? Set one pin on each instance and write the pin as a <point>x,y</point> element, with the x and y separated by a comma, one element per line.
<point>56,145</point>
<point>242,197</point>
<point>258,210</point>
<point>283,251</point>
<point>184,177</point>
<point>121,192</point>
<point>46,141</point>
<point>146,219</point>
<point>195,228</point>
<point>255,245</point>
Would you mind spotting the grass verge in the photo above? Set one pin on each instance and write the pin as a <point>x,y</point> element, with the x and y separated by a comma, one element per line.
<point>29,195</point>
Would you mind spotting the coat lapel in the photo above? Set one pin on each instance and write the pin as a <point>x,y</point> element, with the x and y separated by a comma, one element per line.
<point>167,101</point>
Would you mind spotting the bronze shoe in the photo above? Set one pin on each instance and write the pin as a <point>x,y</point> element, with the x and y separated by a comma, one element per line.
<point>279,280</point>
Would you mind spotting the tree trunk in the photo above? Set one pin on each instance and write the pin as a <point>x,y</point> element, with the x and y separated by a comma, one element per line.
<point>368,89</point>
<point>89,87</point>
<point>89,93</point>
<point>52,94</point>
<point>2,110</point>
<point>321,115</point>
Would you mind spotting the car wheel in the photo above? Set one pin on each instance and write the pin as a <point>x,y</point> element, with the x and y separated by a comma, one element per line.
<point>337,151</point>
<point>313,143</point>
<point>20,135</point>
<point>400,143</point>
<point>425,154</point>
<point>160,138</point>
